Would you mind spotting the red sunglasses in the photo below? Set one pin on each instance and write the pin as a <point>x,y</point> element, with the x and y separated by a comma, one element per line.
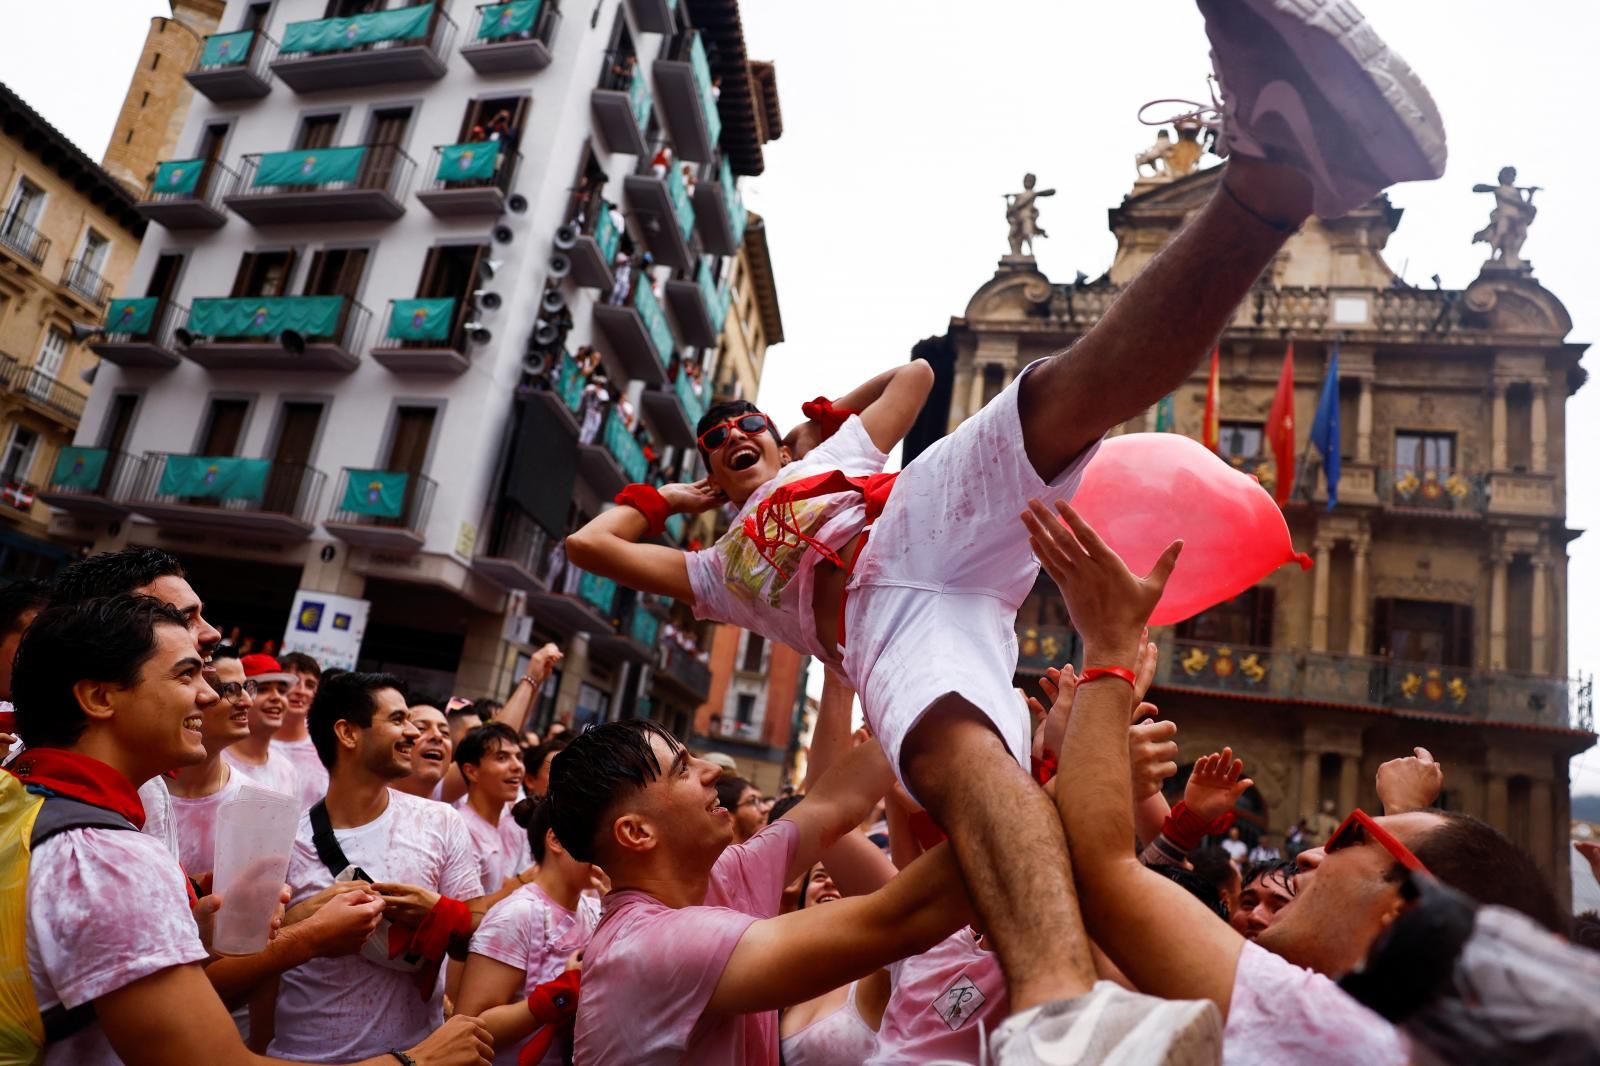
<point>1360,825</point>
<point>750,424</point>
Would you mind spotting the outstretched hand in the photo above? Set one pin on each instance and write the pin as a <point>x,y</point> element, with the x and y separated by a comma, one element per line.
<point>1215,785</point>
<point>1060,686</point>
<point>1108,604</point>
<point>1152,753</point>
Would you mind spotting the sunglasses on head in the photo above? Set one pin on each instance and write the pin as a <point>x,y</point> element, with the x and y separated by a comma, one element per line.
<point>1361,827</point>
<point>750,424</point>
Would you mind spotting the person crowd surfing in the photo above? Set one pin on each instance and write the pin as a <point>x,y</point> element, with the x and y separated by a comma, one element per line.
<point>961,881</point>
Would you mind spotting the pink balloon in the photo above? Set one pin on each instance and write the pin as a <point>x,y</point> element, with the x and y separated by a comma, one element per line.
<point>1142,491</point>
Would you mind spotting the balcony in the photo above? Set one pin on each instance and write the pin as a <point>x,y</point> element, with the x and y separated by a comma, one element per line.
<point>614,460</point>
<point>363,183</point>
<point>674,411</point>
<point>512,38</point>
<point>1529,495</point>
<point>40,390</point>
<point>93,482</point>
<point>635,636</point>
<point>423,337</point>
<point>653,16</point>
<point>564,398</point>
<point>187,194</point>
<point>621,105</point>
<point>572,603</point>
<point>719,212</point>
<point>229,494</point>
<point>640,338</point>
<point>378,48</point>
<point>139,333</point>
<point>85,285</point>
<point>276,333</point>
<point>1362,681</point>
<point>1438,492</point>
<point>23,241</point>
<point>683,84</point>
<point>469,180</point>
<point>386,510</point>
<point>234,66</point>
<point>661,206</point>
<point>698,307</point>
<point>595,247</point>
<point>515,555</point>
<point>685,673</point>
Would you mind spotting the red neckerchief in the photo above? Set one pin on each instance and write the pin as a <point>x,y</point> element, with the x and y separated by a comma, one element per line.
<point>60,772</point>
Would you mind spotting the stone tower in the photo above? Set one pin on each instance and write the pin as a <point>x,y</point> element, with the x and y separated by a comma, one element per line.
<point>158,97</point>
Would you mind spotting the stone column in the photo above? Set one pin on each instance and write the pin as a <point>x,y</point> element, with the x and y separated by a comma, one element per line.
<point>1361,546</point>
<point>1349,781</point>
<point>1497,608</point>
<point>975,397</point>
<point>958,396</point>
<point>1539,431</point>
<point>1539,657</point>
<point>1364,422</point>
<point>1496,807</point>
<point>1541,842</point>
<point>1319,594</point>
<point>1497,428</point>
<point>1310,784</point>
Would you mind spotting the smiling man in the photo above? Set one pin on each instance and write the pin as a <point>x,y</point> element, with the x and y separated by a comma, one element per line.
<point>198,791</point>
<point>254,756</point>
<point>490,758</point>
<point>292,740</point>
<point>430,756</point>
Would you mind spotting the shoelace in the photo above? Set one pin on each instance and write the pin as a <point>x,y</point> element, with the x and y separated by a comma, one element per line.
<point>1217,117</point>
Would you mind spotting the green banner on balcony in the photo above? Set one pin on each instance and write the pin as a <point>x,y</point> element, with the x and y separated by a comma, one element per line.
<point>336,35</point>
<point>218,477</point>
<point>380,493</point>
<point>702,79</point>
<point>310,166</point>
<point>266,316</point>
<point>655,323</point>
<point>468,162</point>
<point>422,320</point>
<point>736,210</point>
<point>79,468</point>
<point>678,193</point>
<point>502,20</point>
<point>639,97</point>
<point>226,49</point>
<point>605,233</point>
<point>177,177</point>
<point>133,317</point>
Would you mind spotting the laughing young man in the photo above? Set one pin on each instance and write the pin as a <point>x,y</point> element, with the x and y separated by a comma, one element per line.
<point>254,756</point>
<point>490,757</point>
<point>430,756</point>
<point>1317,115</point>
<point>293,740</point>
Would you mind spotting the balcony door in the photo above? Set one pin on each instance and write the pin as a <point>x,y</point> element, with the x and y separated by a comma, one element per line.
<point>451,270</point>
<point>224,427</point>
<point>119,423</point>
<point>1423,631</point>
<point>52,353</point>
<point>386,138</point>
<point>163,283</point>
<point>408,451</point>
<point>18,227</point>
<point>317,131</point>
<point>298,424</point>
<point>336,272</point>
<point>264,273</point>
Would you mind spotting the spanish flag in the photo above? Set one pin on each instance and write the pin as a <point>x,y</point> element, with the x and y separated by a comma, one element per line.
<point>1280,428</point>
<point>1211,427</point>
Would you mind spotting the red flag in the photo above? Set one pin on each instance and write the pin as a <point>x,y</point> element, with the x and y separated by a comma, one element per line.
<point>1280,429</point>
<point>1211,428</point>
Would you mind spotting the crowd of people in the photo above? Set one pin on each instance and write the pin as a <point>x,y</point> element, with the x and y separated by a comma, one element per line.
<point>978,875</point>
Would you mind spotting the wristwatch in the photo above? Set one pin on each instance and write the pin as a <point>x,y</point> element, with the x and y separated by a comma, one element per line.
<point>405,1060</point>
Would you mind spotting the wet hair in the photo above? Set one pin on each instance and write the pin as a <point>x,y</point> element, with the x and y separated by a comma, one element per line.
<point>597,770</point>
<point>1280,870</point>
<point>300,663</point>
<point>346,696</point>
<point>481,741</point>
<point>721,412</point>
<point>729,788</point>
<point>113,574</point>
<point>1201,888</point>
<point>1214,866</point>
<point>106,639</point>
<point>17,599</point>
<point>534,756</point>
<point>533,813</point>
<point>783,806</point>
<point>1479,861</point>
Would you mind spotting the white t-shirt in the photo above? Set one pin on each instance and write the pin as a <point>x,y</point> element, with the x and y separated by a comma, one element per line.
<point>1285,1015</point>
<point>502,849</point>
<point>532,932</point>
<point>732,582</point>
<point>345,1009</point>
<point>196,821</point>
<point>106,908</point>
<point>302,755</point>
<point>159,821</point>
<point>277,773</point>
<point>1236,849</point>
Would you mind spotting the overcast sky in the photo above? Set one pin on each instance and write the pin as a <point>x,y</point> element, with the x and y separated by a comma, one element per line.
<point>904,125</point>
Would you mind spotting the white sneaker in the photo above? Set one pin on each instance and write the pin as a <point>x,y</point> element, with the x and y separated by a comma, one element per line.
<point>1111,1026</point>
<point>1309,84</point>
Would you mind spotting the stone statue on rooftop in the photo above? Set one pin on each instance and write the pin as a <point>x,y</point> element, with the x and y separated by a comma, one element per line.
<point>1155,157</point>
<point>1508,221</point>
<point>1022,215</point>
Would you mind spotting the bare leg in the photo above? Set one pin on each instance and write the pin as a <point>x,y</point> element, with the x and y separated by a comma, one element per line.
<point>1167,319</point>
<point>1010,845</point>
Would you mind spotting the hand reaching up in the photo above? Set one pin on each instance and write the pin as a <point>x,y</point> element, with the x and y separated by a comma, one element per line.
<point>1060,686</point>
<point>1215,785</point>
<point>1151,753</point>
<point>1410,783</point>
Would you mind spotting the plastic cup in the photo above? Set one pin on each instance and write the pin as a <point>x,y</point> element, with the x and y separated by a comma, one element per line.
<point>255,833</point>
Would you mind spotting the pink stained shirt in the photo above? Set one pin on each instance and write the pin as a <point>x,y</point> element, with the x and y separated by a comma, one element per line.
<point>302,755</point>
<point>501,850</point>
<point>733,583</point>
<point>535,934</point>
<point>650,969</point>
<point>277,773</point>
<point>943,1000</point>
<point>196,820</point>
<point>1285,1015</point>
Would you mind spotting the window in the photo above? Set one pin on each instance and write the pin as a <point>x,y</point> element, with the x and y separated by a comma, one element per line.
<point>53,352</point>
<point>96,247</point>
<point>413,431</point>
<point>264,274</point>
<point>224,427</point>
<point>317,131</point>
<point>143,100</point>
<point>754,646</point>
<point>27,204</point>
<point>1423,631</point>
<point>155,60</point>
<point>745,711</point>
<point>1241,440</point>
<point>336,272</point>
<point>1424,452</point>
<point>591,707</point>
<point>17,461</point>
<point>1244,620</point>
<point>129,138</point>
<point>164,275</point>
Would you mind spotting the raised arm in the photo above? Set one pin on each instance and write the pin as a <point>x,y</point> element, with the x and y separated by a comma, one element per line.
<point>888,403</point>
<point>838,802</point>
<point>514,712</point>
<point>1164,939</point>
<point>609,544</point>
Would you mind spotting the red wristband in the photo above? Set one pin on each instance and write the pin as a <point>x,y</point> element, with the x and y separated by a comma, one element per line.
<point>822,412</point>
<point>1185,829</point>
<point>648,501</point>
<point>1121,673</point>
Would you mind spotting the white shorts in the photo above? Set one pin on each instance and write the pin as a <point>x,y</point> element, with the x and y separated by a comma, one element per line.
<point>932,606</point>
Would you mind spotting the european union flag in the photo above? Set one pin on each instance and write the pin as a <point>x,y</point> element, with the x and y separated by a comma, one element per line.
<point>1325,427</point>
